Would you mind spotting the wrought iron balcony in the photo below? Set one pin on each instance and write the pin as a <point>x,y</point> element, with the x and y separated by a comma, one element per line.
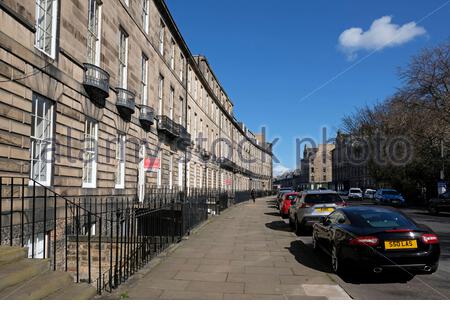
<point>147,117</point>
<point>206,155</point>
<point>185,137</point>
<point>96,82</point>
<point>125,101</point>
<point>168,126</point>
<point>227,164</point>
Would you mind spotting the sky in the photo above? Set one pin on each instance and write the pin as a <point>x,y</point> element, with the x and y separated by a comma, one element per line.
<point>297,67</point>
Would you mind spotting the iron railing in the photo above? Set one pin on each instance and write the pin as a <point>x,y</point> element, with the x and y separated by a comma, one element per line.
<point>102,240</point>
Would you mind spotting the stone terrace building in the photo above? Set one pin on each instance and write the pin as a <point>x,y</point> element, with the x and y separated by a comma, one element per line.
<point>95,96</point>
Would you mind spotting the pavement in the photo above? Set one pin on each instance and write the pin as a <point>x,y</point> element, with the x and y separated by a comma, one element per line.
<point>245,253</point>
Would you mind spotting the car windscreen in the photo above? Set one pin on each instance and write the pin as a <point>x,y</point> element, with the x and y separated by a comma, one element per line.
<point>390,193</point>
<point>355,191</point>
<point>322,198</point>
<point>374,219</point>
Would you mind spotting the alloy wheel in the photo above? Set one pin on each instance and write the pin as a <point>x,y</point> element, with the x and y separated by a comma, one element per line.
<point>334,259</point>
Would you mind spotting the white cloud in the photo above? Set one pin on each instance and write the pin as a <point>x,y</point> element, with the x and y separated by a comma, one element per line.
<point>382,33</point>
<point>279,169</point>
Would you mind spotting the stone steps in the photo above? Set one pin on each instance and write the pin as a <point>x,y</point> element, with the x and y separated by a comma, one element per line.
<point>31,279</point>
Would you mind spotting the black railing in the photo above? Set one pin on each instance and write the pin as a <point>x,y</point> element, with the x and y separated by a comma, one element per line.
<point>147,117</point>
<point>96,81</point>
<point>102,240</point>
<point>167,125</point>
<point>185,137</point>
<point>125,101</point>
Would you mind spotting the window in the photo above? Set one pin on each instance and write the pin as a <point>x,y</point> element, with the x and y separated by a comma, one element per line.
<point>144,80</point>
<point>42,120</point>
<point>161,37</point>
<point>123,59</point>
<point>182,67</point>
<point>160,95</point>
<point>145,14</point>
<point>180,116</point>
<point>171,172</point>
<point>172,55</point>
<point>180,173</point>
<point>121,159</point>
<point>90,154</point>
<point>195,88</point>
<point>94,32</point>
<point>189,80</point>
<point>171,102</point>
<point>159,177</point>
<point>46,18</point>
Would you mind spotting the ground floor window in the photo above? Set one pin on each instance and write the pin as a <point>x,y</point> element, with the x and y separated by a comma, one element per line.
<point>42,124</point>
<point>121,161</point>
<point>90,154</point>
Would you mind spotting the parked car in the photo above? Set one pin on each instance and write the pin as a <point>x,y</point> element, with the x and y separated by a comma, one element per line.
<point>376,239</point>
<point>355,194</point>
<point>286,204</point>
<point>343,194</point>
<point>389,196</point>
<point>280,195</point>
<point>310,206</point>
<point>369,194</point>
<point>439,204</point>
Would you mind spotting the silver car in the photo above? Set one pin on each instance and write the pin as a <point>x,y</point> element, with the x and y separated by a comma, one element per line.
<point>310,206</point>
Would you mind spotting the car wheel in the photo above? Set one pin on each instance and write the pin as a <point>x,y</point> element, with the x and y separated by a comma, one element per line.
<point>336,261</point>
<point>315,245</point>
<point>298,228</point>
<point>291,224</point>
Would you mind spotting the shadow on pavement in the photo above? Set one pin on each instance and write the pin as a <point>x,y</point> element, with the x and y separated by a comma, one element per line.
<point>273,213</point>
<point>278,225</point>
<point>305,255</point>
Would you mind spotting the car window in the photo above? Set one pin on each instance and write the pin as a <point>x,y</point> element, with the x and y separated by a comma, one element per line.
<point>390,193</point>
<point>323,198</point>
<point>374,219</point>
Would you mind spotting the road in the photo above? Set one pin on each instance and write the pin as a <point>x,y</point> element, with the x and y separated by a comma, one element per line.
<point>374,287</point>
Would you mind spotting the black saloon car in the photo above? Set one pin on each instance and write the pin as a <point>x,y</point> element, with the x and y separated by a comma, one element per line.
<point>376,239</point>
<point>440,204</point>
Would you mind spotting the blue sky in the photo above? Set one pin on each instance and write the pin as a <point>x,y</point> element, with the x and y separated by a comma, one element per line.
<point>270,55</point>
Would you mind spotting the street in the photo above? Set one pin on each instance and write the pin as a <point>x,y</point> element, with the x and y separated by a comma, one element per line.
<point>373,286</point>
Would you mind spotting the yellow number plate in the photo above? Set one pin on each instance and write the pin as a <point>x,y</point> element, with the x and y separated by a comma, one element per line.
<point>325,209</point>
<point>396,245</point>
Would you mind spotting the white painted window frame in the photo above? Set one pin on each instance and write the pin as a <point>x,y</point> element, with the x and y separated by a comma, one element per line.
<point>121,157</point>
<point>39,4</point>
<point>94,136</point>
<point>48,117</point>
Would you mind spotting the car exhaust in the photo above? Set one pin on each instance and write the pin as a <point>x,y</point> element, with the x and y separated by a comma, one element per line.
<point>427,268</point>
<point>377,270</point>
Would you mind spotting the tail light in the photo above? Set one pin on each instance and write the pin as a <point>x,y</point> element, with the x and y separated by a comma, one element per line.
<point>341,204</point>
<point>369,241</point>
<point>430,239</point>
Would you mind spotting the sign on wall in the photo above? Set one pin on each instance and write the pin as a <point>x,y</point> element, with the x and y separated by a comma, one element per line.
<point>152,164</point>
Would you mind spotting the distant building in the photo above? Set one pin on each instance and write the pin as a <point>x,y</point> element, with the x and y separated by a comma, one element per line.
<point>350,169</point>
<point>316,167</point>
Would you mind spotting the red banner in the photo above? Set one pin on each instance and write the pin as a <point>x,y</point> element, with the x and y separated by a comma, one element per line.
<point>152,164</point>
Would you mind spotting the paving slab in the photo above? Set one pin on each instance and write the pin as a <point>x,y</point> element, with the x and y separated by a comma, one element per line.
<point>246,253</point>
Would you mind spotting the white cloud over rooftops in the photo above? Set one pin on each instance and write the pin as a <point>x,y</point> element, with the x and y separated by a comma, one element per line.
<point>381,34</point>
